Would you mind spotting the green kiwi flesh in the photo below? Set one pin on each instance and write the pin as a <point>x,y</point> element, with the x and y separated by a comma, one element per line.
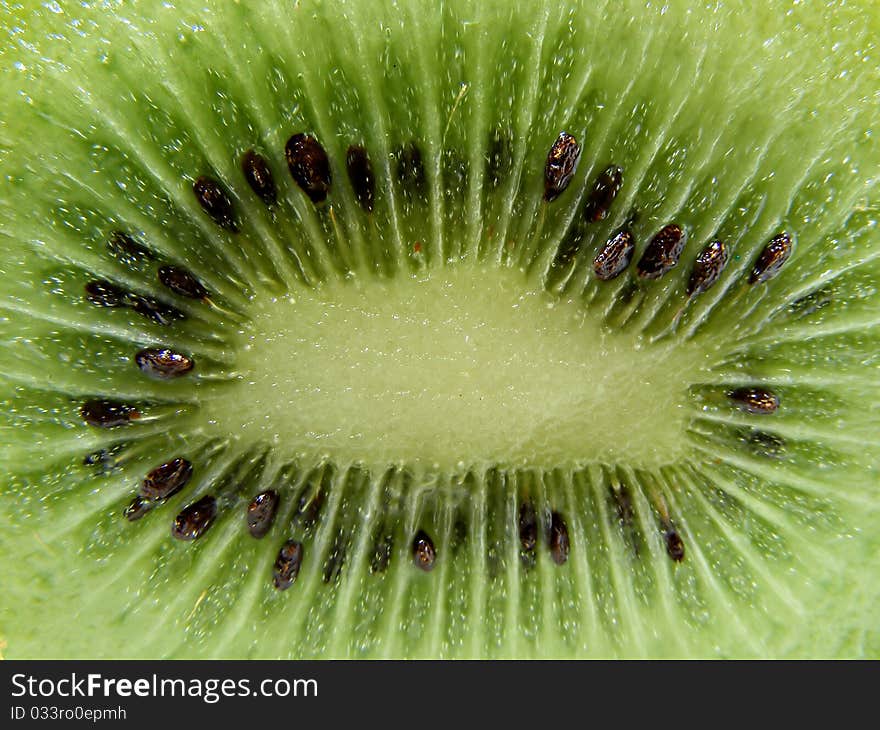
<point>476,446</point>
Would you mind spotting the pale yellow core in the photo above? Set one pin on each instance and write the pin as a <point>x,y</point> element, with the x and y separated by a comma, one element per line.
<point>459,367</point>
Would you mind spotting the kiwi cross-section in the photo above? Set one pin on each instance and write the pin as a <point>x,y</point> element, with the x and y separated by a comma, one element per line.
<point>366,329</point>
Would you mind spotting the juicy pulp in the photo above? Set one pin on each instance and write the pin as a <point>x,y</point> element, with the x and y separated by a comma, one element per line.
<point>733,125</point>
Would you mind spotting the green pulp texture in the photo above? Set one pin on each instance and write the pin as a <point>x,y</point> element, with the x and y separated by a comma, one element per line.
<point>426,366</point>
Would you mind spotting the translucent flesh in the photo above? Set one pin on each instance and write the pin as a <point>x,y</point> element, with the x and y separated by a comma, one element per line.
<point>426,366</point>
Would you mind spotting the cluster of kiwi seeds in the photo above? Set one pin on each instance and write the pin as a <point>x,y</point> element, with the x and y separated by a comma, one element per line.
<point>309,166</point>
<point>660,240</point>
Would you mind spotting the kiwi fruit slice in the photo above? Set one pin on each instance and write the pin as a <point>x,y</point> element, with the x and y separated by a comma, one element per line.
<point>367,329</point>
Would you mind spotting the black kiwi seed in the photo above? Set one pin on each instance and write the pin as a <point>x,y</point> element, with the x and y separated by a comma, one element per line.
<point>614,256</point>
<point>261,513</point>
<point>674,544</point>
<point>771,258</point>
<point>410,170</point>
<point>259,176</point>
<point>287,565</point>
<point>215,202</point>
<point>195,519</point>
<point>708,267</point>
<point>163,363</point>
<point>128,251</point>
<point>309,166</point>
<point>156,311</point>
<point>103,293</point>
<point>423,550</point>
<point>561,164</point>
<point>383,544</point>
<point>759,401</point>
<point>182,282</point>
<point>604,191</point>
<point>360,173</point>
<point>103,413</point>
<point>558,539</point>
<point>662,253</point>
<point>137,508</point>
<point>166,479</point>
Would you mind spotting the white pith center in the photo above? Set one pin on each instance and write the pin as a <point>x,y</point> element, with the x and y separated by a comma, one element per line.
<point>458,367</point>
